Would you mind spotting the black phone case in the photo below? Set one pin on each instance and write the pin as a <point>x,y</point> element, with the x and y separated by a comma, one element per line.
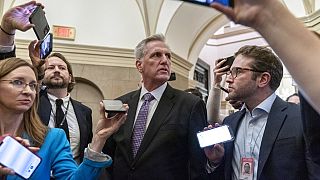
<point>39,19</point>
<point>229,62</point>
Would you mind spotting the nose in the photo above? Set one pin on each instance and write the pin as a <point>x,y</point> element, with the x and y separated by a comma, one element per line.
<point>56,69</point>
<point>165,59</point>
<point>229,78</point>
<point>27,89</point>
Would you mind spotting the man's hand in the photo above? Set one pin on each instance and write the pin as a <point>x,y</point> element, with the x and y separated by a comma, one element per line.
<point>246,12</point>
<point>219,71</point>
<point>214,153</point>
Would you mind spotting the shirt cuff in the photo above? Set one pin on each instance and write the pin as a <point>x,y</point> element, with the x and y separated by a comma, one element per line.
<point>95,156</point>
<point>5,49</point>
<point>211,167</point>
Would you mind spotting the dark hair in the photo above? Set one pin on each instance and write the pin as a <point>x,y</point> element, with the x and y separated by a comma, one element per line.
<point>294,94</point>
<point>264,60</point>
<point>194,91</point>
<point>73,80</point>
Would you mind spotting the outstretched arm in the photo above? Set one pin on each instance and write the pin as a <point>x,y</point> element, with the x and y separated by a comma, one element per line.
<point>298,48</point>
<point>16,18</point>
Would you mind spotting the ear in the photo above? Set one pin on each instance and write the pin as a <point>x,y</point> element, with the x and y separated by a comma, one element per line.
<point>264,79</point>
<point>70,78</point>
<point>139,65</point>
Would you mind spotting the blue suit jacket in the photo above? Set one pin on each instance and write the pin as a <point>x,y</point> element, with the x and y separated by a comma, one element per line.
<point>282,152</point>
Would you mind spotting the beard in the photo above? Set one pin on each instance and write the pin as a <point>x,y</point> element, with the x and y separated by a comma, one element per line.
<point>242,92</point>
<point>54,84</point>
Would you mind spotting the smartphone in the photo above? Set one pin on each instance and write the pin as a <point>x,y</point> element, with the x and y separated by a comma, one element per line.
<point>46,46</point>
<point>208,2</point>
<point>216,135</point>
<point>229,62</point>
<point>113,106</point>
<point>17,157</point>
<point>39,19</point>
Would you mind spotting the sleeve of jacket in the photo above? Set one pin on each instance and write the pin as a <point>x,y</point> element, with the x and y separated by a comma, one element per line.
<point>8,54</point>
<point>311,125</point>
<point>63,165</point>
<point>197,158</point>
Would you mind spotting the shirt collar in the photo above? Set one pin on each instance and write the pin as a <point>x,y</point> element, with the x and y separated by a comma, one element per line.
<point>264,105</point>
<point>157,93</point>
<point>53,99</point>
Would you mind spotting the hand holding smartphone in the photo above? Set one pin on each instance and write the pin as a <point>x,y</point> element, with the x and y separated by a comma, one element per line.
<point>216,135</point>
<point>229,3</point>
<point>229,62</point>
<point>17,157</point>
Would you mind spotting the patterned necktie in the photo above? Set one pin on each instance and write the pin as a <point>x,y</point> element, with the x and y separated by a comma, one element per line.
<point>60,121</point>
<point>140,125</point>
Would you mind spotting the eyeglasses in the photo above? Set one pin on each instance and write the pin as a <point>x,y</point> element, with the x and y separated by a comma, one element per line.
<point>19,84</point>
<point>237,70</point>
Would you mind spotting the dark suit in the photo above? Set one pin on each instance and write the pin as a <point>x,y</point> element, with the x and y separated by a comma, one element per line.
<point>83,114</point>
<point>170,149</point>
<point>311,126</point>
<point>282,152</point>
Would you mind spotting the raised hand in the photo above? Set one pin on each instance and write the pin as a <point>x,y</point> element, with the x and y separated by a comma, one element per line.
<point>18,17</point>
<point>245,12</point>
<point>106,127</point>
<point>219,71</point>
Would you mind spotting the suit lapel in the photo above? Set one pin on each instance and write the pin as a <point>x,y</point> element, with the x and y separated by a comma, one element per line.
<point>44,109</point>
<point>81,121</point>
<point>164,107</point>
<point>275,121</point>
<point>127,127</point>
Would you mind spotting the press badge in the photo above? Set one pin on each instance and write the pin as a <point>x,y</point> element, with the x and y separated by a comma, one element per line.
<point>247,167</point>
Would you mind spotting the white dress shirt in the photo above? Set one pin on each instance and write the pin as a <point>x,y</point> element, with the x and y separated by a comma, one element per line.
<point>73,126</point>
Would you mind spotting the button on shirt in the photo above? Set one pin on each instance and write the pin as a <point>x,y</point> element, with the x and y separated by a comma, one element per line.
<point>249,136</point>
<point>73,126</point>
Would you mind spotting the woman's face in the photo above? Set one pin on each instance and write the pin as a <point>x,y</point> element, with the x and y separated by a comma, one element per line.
<point>18,90</point>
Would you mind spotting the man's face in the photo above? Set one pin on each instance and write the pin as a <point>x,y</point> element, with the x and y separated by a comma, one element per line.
<point>241,87</point>
<point>56,74</point>
<point>155,66</point>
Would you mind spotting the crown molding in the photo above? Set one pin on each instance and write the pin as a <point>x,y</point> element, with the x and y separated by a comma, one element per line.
<point>104,56</point>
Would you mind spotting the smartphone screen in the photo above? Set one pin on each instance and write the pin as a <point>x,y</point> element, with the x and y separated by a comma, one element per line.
<point>214,136</point>
<point>46,46</point>
<point>208,2</point>
<point>39,19</point>
<point>17,157</point>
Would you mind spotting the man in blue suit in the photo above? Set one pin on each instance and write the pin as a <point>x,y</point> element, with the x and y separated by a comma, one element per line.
<point>268,131</point>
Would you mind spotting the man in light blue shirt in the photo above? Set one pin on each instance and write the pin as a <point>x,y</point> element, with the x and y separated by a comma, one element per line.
<point>268,131</point>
